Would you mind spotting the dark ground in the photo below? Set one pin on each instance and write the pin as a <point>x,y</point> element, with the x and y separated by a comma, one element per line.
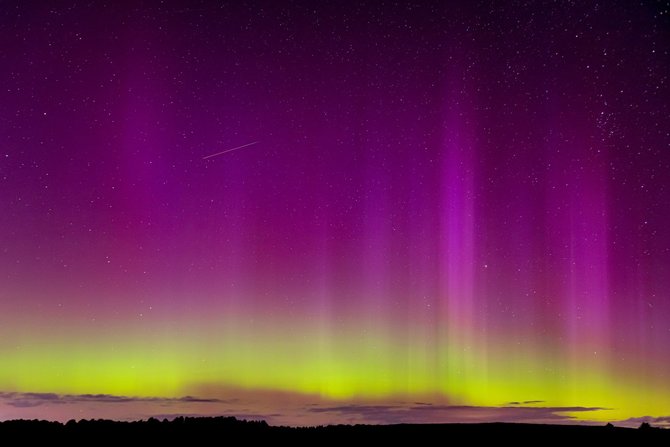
<point>227,430</point>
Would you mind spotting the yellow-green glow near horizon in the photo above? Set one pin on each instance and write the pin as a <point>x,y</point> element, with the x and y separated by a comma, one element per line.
<point>366,366</point>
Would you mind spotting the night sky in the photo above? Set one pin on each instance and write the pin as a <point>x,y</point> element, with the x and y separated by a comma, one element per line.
<point>451,211</point>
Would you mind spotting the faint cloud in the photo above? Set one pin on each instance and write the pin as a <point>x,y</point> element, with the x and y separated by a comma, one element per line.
<point>656,421</point>
<point>26,400</point>
<point>424,413</point>
<point>286,408</point>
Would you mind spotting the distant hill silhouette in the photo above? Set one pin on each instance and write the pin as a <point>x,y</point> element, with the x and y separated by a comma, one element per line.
<point>230,429</point>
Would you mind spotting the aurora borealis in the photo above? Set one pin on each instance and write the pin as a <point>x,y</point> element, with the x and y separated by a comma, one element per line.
<point>454,211</point>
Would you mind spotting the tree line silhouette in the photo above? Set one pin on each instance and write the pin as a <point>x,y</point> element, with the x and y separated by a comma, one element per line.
<point>232,430</point>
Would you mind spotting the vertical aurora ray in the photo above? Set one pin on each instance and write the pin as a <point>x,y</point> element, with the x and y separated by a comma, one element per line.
<point>457,321</point>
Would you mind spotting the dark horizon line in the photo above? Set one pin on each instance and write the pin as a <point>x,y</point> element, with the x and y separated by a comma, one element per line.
<point>154,420</point>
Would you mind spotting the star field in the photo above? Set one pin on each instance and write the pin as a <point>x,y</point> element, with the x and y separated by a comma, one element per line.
<point>462,203</point>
